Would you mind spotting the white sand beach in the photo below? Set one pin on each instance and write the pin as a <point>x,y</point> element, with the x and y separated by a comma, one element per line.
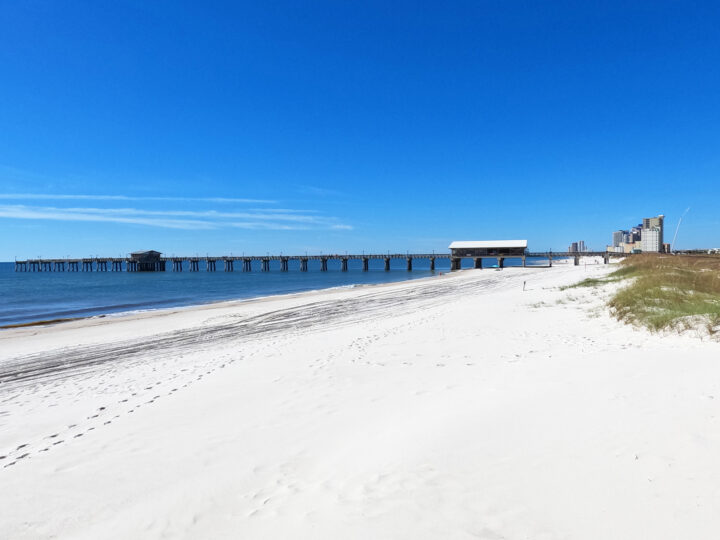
<point>458,406</point>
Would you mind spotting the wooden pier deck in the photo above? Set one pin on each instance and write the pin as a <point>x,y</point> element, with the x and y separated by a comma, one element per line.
<point>245,262</point>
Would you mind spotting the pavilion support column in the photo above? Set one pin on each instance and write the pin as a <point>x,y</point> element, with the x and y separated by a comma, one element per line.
<point>501,262</point>
<point>550,260</point>
<point>576,260</point>
<point>454,264</point>
<point>478,263</point>
<point>606,258</point>
<point>524,261</point>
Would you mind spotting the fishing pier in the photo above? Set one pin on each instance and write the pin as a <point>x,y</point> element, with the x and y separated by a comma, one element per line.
<point>153,261</point>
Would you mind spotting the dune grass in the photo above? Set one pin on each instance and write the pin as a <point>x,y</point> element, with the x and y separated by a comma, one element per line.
<point>618,275</point>
<point>669,291</point>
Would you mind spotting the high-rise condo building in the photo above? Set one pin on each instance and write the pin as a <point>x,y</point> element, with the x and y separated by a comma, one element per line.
<point>651,241</point>
<point>651,238</point>
<point>618,238</point>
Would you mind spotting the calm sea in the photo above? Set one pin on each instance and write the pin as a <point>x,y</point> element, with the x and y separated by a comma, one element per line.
<point>27,297</point>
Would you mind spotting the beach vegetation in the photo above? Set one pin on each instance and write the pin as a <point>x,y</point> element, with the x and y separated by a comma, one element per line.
<point>667,291</point>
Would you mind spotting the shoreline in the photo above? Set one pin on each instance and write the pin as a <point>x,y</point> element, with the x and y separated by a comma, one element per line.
<point>59,318</point>
<point>135,317</point>
<point>99,312</point>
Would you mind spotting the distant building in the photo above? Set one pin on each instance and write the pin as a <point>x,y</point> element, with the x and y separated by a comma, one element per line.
<point>666,248</point>
<point>629,247</point>
<point>651,240</point>
<point>573,247</point>
<point>619,237</point>
<point>649,223</point>
<point>651,237</point>
<point>581,246</point>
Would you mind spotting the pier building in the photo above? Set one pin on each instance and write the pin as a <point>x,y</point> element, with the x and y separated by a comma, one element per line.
<point>146,261</point>
<point>479,250</point>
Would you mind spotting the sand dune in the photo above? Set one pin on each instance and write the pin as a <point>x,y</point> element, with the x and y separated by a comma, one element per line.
<point>459,406</point>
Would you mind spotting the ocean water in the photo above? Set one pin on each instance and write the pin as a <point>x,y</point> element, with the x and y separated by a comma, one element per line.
<point>28,297</point>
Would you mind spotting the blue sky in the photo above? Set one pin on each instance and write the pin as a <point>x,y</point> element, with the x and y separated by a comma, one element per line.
<point>332,126</point>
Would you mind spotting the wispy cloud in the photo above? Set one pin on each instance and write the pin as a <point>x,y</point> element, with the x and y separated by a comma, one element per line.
<point>58,214</point>
<point>78,197</point>
<point>177,219</point>
<point>263,215</point>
